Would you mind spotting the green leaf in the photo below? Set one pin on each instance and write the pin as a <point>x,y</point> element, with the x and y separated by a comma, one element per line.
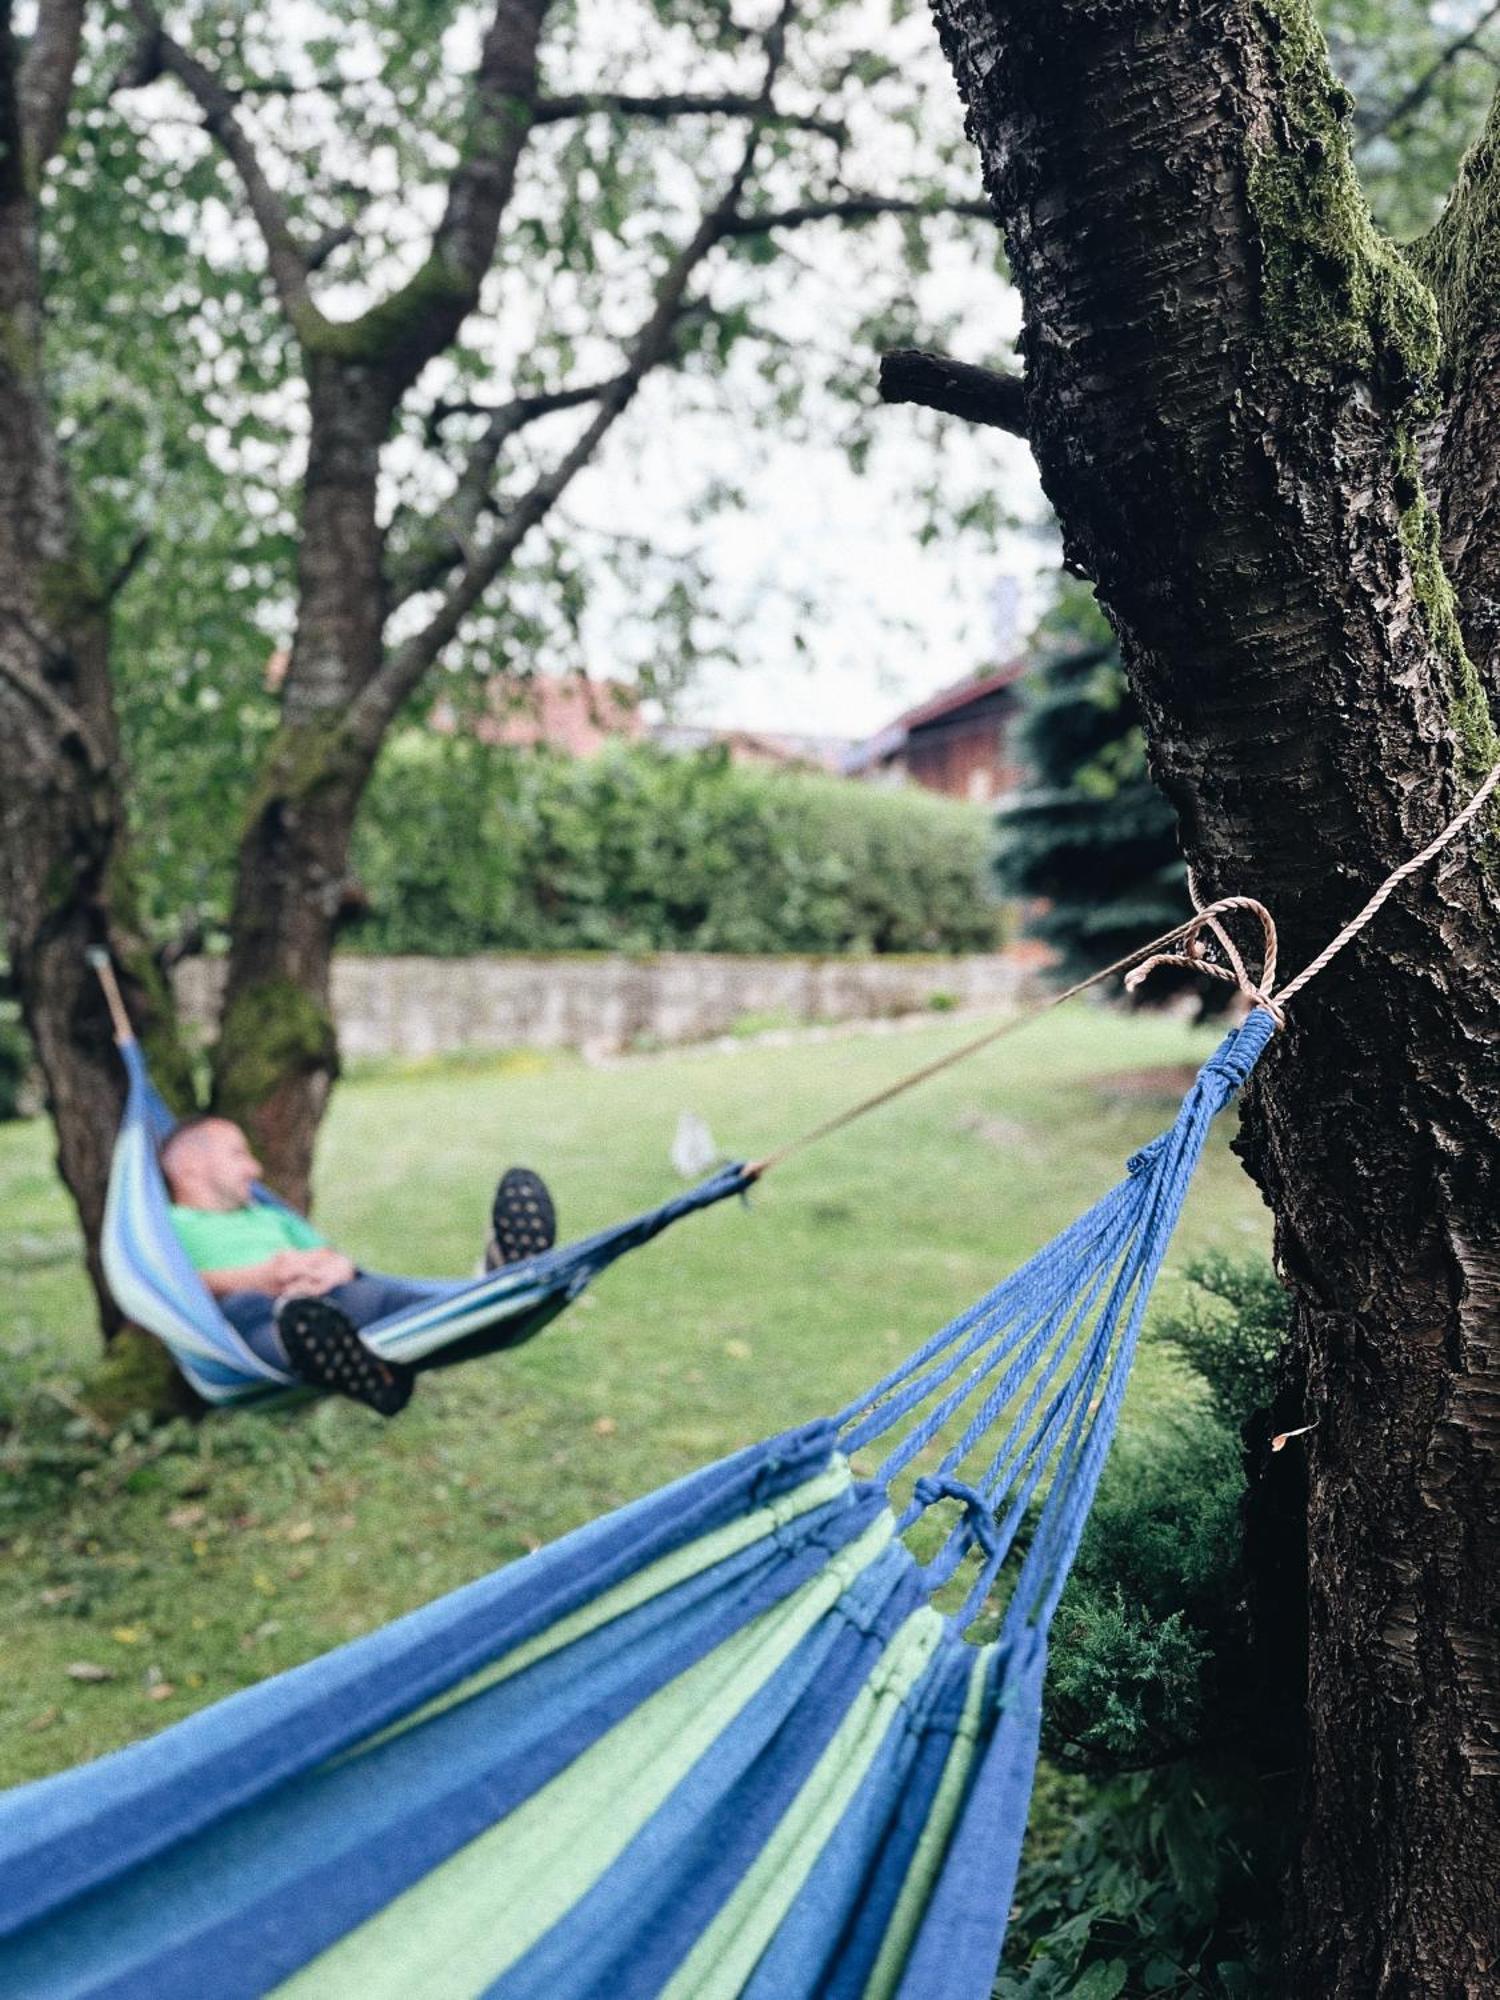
<point>1102,1981</point>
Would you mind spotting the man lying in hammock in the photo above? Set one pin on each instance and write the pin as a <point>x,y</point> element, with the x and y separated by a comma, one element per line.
<point>295,1300</point>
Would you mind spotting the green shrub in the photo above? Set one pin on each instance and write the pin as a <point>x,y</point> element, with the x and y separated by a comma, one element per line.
<point>1165,1881</point>
<point>462,847</point>
<point>1153,1606</point>
<point>1158,1884</point>
<point>1230,1333</point>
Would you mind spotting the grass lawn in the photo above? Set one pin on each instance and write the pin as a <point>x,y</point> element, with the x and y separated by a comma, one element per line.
<point>180,1566</point>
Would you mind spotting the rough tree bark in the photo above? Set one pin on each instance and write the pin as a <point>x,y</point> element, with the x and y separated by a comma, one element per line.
<point>64,867</point>
<point>1232,383</point>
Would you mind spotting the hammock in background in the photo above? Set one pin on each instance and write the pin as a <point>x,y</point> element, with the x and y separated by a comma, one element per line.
<point>156,1287</point>
<point>719,1743</point>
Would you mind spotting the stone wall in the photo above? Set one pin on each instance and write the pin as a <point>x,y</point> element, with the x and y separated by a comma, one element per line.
<point>601,1002</point>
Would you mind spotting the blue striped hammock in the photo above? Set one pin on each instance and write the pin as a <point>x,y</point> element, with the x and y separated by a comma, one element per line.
<point>721,1743</point>
<point>156,1287</point>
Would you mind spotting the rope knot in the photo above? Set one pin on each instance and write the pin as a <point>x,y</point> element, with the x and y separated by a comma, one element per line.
<point>981,1516</point>
<point>1193,939</point>
<point>1239,1052</point>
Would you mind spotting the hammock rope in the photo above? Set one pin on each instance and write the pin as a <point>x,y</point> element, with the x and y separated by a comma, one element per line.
<point>1138,965</point>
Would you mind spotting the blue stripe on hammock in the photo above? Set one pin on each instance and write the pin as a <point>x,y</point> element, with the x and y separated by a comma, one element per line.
<point>63,1835</point>
<point>672,1879</point>
<point>278,1882</point>
<point>253,1764</point>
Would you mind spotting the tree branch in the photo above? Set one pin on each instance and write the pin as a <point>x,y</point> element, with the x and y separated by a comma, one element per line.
<point>850,208</point>
<point>126,568</point>
<point>438,544</point>
<point>937,382</point>
<point>323,247</point>
<point>505,419</point>
<point>65,719</point>
<point>404,667</point>
<point>160,53</point>
<point>684,104</point>
<point>1373,125</point>
<point>403,332</point>
<point>46,81</point>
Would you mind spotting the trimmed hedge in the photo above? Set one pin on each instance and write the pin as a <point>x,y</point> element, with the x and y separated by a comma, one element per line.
<point>464,847</point>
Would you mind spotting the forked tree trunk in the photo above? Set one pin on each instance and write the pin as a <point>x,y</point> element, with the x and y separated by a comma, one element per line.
<point>1229,377</point>
<point>277,1052</point>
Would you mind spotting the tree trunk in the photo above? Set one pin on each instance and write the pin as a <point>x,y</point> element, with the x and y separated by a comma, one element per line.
<point>277,1053</point>
<point>1228,375</point>
<point>65,881</point>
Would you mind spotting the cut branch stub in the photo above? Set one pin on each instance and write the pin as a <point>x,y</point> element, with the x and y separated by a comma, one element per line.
<point>937,382</point>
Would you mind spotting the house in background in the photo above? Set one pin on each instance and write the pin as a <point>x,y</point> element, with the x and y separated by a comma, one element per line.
<point>956,742</point>
<point>758,746</point>
<point>570,713</point>
<point>577,716</point>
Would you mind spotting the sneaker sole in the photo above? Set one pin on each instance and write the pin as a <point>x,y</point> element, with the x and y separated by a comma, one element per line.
<point>325,1350</point>
<point>523,1222</point>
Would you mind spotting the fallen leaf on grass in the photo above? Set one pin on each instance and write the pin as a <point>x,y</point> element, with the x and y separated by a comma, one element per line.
<point>160,1691</point>
<point>127,1635</point>
<point>85,1670</point>
<point>185,1517</point>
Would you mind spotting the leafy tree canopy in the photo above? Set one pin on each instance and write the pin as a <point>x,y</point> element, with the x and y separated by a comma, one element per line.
<point>182,395</point>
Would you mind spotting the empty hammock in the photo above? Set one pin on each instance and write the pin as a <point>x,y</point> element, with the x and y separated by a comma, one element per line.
<point>157,1288</point>
<point>720,1743</point>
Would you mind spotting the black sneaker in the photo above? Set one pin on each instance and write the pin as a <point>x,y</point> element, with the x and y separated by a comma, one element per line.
<point>523,1222</point>
<point>323,1347</point>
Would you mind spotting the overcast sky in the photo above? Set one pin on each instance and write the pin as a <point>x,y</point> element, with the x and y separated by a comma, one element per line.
<point>895,620</point>
<point>829,557</point>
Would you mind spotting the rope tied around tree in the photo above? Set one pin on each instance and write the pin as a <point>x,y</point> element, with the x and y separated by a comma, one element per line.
<point>1186,945</point>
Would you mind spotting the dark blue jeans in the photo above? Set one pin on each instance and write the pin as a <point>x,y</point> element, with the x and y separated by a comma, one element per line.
<point>369,1296</point>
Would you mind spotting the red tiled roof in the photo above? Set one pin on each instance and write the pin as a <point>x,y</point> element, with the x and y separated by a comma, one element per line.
<point>949,700</point>
<point>575,715</point>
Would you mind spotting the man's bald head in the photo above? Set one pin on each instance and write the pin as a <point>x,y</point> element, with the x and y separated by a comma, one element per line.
<point>208,1163</point>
